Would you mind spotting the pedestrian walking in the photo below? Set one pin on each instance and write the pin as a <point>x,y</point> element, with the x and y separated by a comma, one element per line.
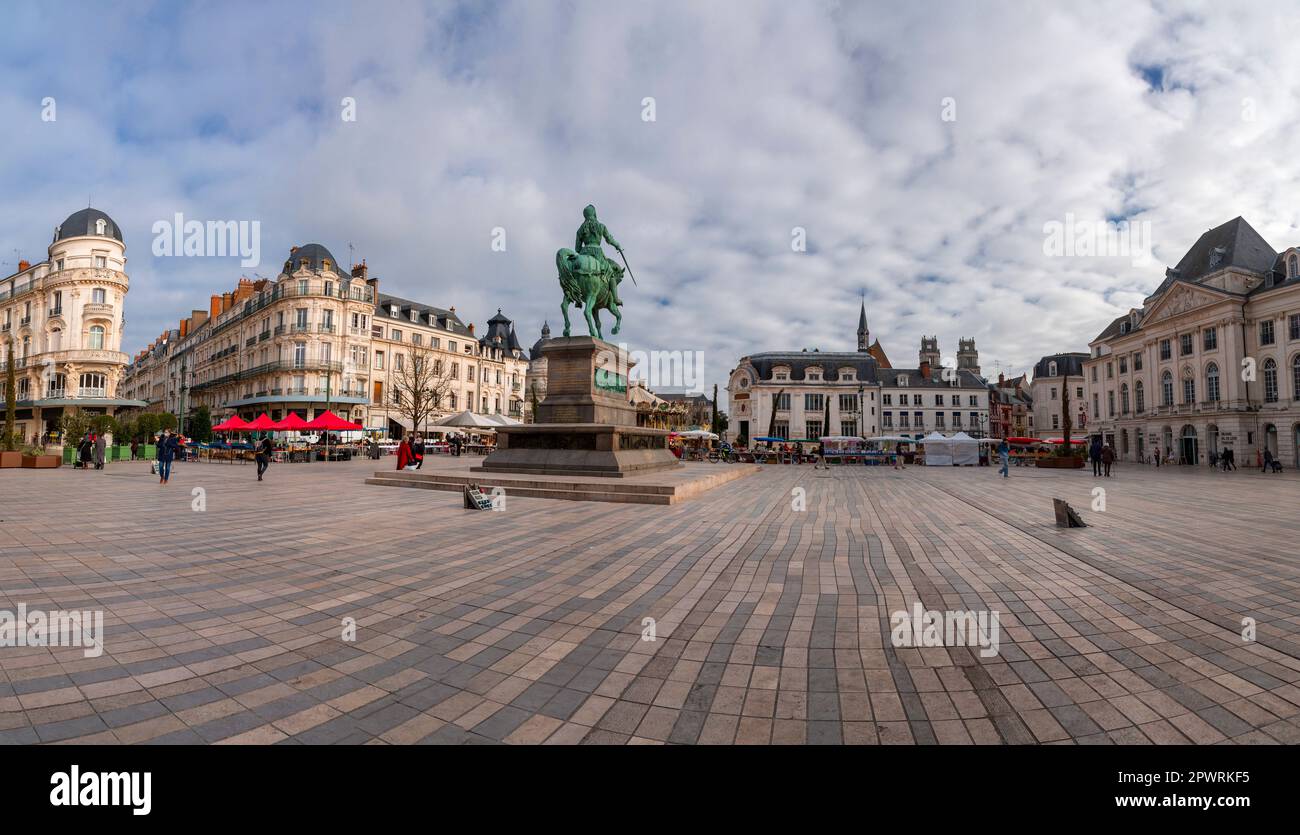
<point>135,448</point>
<point>85,452</point>
<point>417,451</point>
<point>263,456</point>
<point>101,447</point>
<point>1107,458</point>
<point>1094,455</point>
<point>168,445</point>
<point>404,459</point>
<point>1004,457</point>
<point>1269,462</point>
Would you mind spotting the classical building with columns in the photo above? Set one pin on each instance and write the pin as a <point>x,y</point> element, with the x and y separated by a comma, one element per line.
<point>63,318</point>
<point>1210,361</point>
<point>790,394</point>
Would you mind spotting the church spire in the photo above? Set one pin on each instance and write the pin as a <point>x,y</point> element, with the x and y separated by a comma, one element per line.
<point>864,334</point>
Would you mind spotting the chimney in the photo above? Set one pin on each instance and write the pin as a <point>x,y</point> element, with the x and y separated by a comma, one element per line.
<point>225,302</point>
<point>925,369</point>
<point>214,306</point>
<point>185,328</point>
<point>359,271</point>
<point>23,266</point>
<point>1002,378</point>
<point>471,326</point>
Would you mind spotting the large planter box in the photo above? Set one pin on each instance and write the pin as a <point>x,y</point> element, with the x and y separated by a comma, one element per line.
<point>41,462</point>
<point>1056,462</point>
<point>11,459</point>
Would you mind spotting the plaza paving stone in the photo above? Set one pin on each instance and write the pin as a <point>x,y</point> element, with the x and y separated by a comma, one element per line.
<point>525,626</point>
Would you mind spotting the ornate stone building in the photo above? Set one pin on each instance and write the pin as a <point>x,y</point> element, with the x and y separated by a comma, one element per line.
<point>791,393</point>
<point>319,337</point>
<point>1210,361</point>
<point>483,374</point>
<point>64,320</point>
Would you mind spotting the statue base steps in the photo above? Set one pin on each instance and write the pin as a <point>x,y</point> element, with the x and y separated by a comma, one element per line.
<point>663,487</point>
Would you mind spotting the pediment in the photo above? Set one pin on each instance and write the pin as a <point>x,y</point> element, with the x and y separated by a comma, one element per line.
<point>1180,299</point>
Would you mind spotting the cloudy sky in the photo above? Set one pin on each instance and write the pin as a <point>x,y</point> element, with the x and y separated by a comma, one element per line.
<point>921,147</point>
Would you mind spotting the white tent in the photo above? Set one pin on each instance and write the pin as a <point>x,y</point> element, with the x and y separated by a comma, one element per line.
<point>468,419</point>
<point>938,450</point>
<point>965,450</point>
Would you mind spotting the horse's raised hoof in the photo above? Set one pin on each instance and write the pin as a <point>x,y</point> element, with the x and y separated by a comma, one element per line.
<point>566,331</point>
<point>614,332</point>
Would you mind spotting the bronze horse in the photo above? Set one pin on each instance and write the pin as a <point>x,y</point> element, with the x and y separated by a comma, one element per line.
<point>586,284</point>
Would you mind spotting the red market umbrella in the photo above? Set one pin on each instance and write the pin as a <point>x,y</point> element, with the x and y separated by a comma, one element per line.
<point>1062,440</point>
<point>262,424</point>
<point>231,424</point>
<point>291,423</point>
<point>330,422</point>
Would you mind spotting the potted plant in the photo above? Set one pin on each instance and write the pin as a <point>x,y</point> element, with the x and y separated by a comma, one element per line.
<point>11,455</point>
<point>35,457</point>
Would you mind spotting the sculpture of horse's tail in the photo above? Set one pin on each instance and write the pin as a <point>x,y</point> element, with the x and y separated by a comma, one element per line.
<point>564,262</point>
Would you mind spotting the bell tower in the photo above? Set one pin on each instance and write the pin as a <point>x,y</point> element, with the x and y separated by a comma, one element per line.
<point>967,357</point>
<point>864,333</point>
<point>930,351</point>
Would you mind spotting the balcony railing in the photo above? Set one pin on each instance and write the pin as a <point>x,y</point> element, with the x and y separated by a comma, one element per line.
<point>279,330</point>
<point>263,336</point>
<point>301,327</point>
<point>248,343</point>
<point>323,328</point>
<point>26,320</point>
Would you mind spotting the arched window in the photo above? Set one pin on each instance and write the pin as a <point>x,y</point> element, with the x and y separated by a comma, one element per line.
<point>1295,378</point>
<point>1270,381</point>
<point>58,382</point>
<point>56,339</point>
<point>101,227</point>
<point>1139,396</point>
<point>1123,399</point>
<point>1167,389</point>
<point>1051,369</point>
<point>96,337</point>
<point>1189,387</point>
<point>1212,382</point>
<point>1292,266</point>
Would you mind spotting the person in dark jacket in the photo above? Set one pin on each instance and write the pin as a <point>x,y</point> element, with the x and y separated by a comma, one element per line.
<point>263,456</point>
<point>85,452</point>
<point>101,445</point>
<point>1107,458</point>
<point>417,451</point>
<point>1094,454</point>
<point>135,448</point>
<point>168,446</point>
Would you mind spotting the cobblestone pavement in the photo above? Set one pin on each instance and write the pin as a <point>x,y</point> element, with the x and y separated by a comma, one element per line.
<point>772,625</point>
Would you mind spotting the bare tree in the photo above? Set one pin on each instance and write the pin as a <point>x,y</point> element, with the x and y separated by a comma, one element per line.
<point>420,385</point>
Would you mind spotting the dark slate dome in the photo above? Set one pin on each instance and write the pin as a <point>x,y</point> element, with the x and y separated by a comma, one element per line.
<point>536,352</point>
<point>82,223</point>
<point>316,256</point>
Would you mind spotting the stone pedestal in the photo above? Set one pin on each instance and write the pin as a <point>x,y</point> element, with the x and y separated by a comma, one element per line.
<point>585,425</point>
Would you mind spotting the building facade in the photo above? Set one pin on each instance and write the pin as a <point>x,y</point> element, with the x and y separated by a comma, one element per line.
<point>63,318</point>
<point>809,394</point>
<point>1055,375</point>
<point>1011,408</point>
<point>322,337</point>
<point>484,374</point>
<point>1211,360</point>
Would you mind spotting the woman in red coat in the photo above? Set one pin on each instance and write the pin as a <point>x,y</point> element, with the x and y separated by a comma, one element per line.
<point>404,455</point>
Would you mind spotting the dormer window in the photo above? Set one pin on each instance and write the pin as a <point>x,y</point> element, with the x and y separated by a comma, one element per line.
<point>902,381</point>
<point>101,227</point>
<point>1292,266</point>
<point>1051,369</point>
